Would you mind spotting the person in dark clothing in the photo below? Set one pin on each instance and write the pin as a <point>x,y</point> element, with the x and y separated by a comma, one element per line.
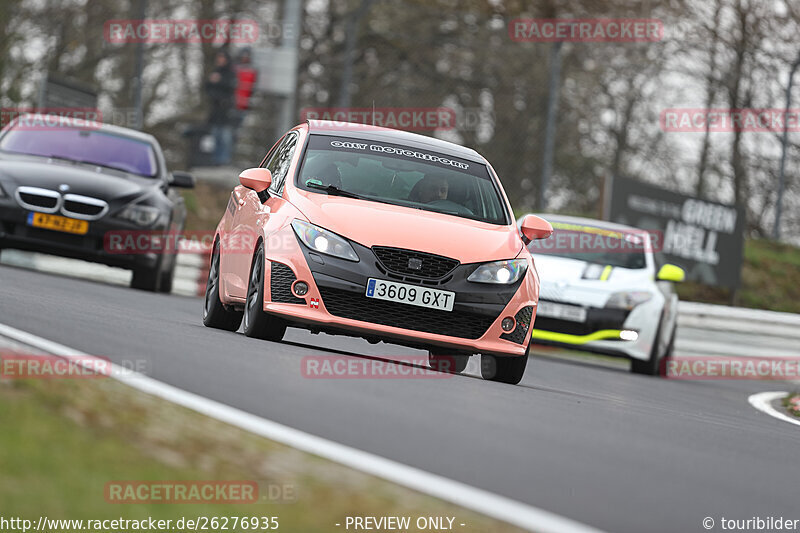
<point>221,87</point>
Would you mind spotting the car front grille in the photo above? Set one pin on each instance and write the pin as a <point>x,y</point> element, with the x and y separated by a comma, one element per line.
<point>412,263</point>
<point>83,206</point>
<point>523,319</point>
<point>71,205</point>
<point>280,285</point>
<point>356,306</point>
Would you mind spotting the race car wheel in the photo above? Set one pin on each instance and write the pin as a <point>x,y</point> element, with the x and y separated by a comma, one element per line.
<point>215,315</point>
<point>257,323</point>
<point>447,361</point>
<point>147,279</point>
<point>166,278</point>
<point>650,366</point>
<point>505,369</point>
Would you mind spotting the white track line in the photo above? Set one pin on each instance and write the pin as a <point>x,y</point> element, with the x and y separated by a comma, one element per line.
<point>481,501</point>
<point>763,402</point>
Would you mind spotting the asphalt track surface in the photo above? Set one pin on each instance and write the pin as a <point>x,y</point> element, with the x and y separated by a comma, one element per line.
<point>583,439</point>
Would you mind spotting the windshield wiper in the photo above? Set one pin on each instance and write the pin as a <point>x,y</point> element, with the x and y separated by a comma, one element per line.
<point>335,191</point>
<point>85,162</point>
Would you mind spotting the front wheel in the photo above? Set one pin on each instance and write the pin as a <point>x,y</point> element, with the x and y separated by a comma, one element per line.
<point>442,361</point>
<point>215,315</point>
<point>504,369</point>
<point>257,323</point>
<point>650,366</point>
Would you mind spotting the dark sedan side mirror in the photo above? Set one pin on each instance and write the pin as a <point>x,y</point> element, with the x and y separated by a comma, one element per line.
<point>181,180</point>
<point>534,228</point>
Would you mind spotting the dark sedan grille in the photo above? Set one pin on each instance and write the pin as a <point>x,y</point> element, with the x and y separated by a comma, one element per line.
<point>280,285</point>
<point>356,306</point>
<point>81,208</point>
<point>413,263</point>
<point>523,318</point>
<point>45,202</point>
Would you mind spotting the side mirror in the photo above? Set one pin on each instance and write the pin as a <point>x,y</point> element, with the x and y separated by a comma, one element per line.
<point>671,273</point>
<point>182,180</point>
<point>258,179</point>
<point>534,228</point>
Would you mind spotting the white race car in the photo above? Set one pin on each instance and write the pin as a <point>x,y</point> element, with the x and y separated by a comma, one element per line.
<point>601,292</point>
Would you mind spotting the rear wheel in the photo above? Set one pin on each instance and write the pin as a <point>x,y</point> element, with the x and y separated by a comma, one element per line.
<point>257,323</point>
<point>215,315</point>
<point>504,368</point>
<point>447,361</point>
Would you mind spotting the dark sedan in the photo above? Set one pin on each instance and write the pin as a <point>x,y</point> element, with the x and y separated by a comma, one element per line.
<point>65,189</point>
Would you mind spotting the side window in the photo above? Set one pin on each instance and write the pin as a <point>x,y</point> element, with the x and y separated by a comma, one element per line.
<point>280,162</point>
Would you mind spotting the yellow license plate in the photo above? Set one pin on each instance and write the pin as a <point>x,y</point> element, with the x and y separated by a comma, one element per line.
<point>58,223</point>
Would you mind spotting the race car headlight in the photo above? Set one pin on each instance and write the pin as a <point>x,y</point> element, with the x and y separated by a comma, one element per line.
<point>500,272</point>
<point>323,241</point>
<point>628,299</point>
<point>141,215</point>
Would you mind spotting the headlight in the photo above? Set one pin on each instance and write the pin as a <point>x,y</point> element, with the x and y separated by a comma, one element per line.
<point>500,272</point>
<point>323,241</point>
<point>628,299</point>
<point>142,215</point>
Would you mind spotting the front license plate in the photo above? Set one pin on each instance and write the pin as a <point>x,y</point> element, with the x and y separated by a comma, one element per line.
<point>573,313</point>
<point>410,294</point>
<point>58,223</point>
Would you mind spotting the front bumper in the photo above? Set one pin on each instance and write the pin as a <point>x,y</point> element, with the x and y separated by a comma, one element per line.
<point>601,333</point>
<point>16,233</point>
<point>336,302</point>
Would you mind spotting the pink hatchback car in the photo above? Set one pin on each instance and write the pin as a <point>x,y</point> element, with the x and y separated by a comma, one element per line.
<point>382,234</point>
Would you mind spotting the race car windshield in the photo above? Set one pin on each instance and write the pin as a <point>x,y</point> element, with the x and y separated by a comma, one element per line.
<point>410,177</point>
<point>84,146</point>
<point>593,245</point>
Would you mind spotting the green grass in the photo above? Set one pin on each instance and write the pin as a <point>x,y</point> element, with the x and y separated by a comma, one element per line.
<point>792,404</point>
<point>770,279</point>
<point>62,441</point>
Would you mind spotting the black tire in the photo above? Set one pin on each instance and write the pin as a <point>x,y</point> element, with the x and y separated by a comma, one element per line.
<point>167,277</point>
<point>147,279</point>
<point>257,323</point>
<point>504,369</point>
<point>447,361</point>
<point>650,367</point>
<point>215,315</point>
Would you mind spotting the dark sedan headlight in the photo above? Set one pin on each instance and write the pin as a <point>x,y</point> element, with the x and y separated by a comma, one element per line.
<point>500,272</point>
<point>141,215</point>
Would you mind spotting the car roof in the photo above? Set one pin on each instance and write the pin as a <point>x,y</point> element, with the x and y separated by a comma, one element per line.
<point>378,133</point>
<point>591,222</point>
<point>110,128</point>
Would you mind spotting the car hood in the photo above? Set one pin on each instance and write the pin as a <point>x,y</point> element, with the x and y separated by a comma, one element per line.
<point>115,187</point>
<point>565,280</point>
<point>375,224</point>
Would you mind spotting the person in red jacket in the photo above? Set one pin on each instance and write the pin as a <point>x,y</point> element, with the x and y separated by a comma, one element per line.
<point>246,77</point>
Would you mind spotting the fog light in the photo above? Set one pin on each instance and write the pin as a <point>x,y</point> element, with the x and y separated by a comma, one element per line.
<point>508,323</point>
<point>300,288</point>
<point>628,335</point>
